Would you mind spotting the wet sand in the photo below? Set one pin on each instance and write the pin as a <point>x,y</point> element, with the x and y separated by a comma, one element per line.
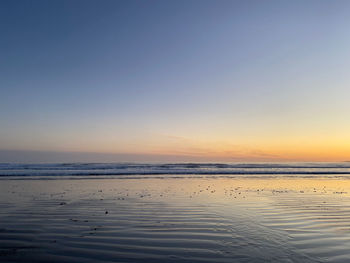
<point>175,220</point>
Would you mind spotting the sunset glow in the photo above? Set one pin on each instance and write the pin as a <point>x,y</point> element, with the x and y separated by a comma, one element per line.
<point>226,82</point>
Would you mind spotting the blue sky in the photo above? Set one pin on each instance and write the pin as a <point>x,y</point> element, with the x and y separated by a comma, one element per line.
<point>223,80</point>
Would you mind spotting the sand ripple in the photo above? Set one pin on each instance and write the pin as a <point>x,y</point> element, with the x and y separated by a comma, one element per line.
<point>172,221</point>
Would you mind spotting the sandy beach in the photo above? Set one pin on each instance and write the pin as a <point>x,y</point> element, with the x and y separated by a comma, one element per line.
<point>175,220</point>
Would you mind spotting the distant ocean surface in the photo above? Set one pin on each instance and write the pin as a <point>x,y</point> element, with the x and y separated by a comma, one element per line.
<point>169,170</point>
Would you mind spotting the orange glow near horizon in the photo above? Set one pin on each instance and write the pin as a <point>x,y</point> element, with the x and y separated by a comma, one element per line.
<point>203,147</point>
<point>280,149</point>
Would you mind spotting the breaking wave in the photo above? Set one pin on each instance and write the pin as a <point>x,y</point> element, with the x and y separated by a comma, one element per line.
<point>177,169</point>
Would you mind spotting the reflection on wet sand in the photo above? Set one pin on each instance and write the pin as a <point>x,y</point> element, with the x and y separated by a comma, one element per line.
<point>175,220</point>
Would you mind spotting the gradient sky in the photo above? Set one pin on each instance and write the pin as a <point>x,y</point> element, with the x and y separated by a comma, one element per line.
<point>178,80</point>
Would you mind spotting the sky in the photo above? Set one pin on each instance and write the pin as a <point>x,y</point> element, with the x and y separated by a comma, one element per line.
<point>174,80</point>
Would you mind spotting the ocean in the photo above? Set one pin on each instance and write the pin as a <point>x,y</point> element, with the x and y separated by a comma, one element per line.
<point>168,170</point>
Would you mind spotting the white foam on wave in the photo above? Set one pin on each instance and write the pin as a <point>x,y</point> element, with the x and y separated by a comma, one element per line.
<point>172,169</point>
